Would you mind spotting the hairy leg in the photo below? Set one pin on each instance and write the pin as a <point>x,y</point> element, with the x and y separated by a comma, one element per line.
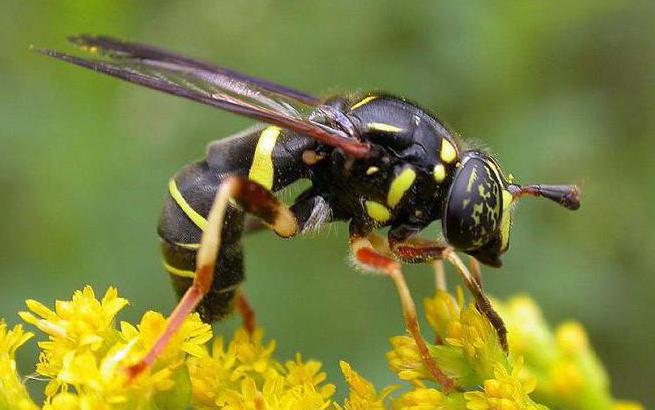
<point>369,258</point>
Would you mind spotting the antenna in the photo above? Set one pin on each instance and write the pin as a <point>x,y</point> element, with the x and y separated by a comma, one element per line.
<point>566,195</point>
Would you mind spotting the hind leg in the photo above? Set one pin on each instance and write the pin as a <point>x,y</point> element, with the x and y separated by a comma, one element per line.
<point>254,199</point>
<point>246,312</point>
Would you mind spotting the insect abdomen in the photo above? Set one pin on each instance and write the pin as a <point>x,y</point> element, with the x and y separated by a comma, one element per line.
<point>267,156</point>
<point>183,218</point>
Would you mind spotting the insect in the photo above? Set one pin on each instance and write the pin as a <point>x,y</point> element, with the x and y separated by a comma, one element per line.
<point>374,160</point>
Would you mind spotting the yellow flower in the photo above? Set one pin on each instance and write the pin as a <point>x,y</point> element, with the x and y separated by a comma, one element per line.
<point>363,395</point>
<point>527,332</point>
<point>443,313</point>
<point>225,369</point>
<point>244,376</point>
<point>190,338</point>
<point>100,381</point>
<point>85,358</point>
<point>308,374</point>
<point>479,343</point>
<point>571,338</point>
<point>405,360</point>
<point>12,392</point>
<point>423,398</point>
<point>469,349</point>
<point>627,405</point>
<point>84,323</point>
<point>505,391</point>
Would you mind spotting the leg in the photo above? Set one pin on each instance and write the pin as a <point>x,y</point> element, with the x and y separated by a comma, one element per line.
<point>439,275</point>
<point>365,256</point>
<point>481,301</point>
<point>474,265</point>
<point>246,311</point>
<point>417,249</point>
<point>254,199</point>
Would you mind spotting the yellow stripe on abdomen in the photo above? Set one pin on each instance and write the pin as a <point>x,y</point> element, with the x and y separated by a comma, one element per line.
<point>262,170</point>
<point>178,272</point>
<point>195,217</point>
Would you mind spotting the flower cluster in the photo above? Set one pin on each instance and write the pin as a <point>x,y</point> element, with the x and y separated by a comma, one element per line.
<point>86,353</point>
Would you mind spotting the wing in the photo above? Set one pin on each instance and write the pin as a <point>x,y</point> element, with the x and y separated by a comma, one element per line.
<point>211,85</point>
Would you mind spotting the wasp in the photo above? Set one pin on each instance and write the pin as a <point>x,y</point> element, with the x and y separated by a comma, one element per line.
<point>374,160</point>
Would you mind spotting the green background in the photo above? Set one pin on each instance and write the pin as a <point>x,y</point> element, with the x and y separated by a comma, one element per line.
<point>562,91</point>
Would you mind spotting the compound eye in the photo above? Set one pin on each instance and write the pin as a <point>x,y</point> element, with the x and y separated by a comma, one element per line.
<point>474,207</point>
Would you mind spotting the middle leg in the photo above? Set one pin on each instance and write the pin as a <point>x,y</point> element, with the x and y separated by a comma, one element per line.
<point>367,257</point>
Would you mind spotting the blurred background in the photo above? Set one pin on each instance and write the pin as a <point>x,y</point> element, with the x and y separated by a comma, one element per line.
<point>562,91</point>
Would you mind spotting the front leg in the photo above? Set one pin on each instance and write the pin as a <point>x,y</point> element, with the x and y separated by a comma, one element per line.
<point>409,248</point>
<point>367,257</point>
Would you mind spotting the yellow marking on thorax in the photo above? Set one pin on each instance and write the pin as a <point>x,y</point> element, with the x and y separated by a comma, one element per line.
<point>364,101</point>
<point>439,173</point>
<point>261,170</point>
<point>380,126</point>
<point>372,170</point>
<point>178,272</point>
<point>447,153</point>
<point>195,217</point>
<point>377,211</point>
<point>400,185</point>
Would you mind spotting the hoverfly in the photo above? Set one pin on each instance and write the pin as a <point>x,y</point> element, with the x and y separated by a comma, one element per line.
<point>374,160</point>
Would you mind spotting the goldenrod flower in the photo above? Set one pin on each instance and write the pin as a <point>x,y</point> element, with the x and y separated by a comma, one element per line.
<point>479,343</point>
<point>504,392</point>
<point>12,392</point>
<point>82,324</point>
<point>470,349</point>
<point>627,405</point>
<point>363,395</point>
<point>244,376</point>
<point>568,373</point>
<point>443,312</point>
<point>308,374</point>
<point>405,360</point>
<point>189,339</point>
<point>86,355</point>
<point>423,398</point>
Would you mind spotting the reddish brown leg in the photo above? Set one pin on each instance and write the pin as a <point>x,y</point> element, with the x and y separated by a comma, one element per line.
<point>417,249</point>
<point>368,258</point>
<point>254,199</point>
<point>247,312</point>
<point>481,301</point>
<point>474,265</point>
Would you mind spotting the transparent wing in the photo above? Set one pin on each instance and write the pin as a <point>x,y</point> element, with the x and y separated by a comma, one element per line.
<point>211,85</point>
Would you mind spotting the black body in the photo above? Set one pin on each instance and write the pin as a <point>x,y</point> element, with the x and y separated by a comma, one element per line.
<point>374,160</point>
<point>339,191</point>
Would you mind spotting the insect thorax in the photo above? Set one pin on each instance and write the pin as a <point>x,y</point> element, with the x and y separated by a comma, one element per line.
<point>407,179</point>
